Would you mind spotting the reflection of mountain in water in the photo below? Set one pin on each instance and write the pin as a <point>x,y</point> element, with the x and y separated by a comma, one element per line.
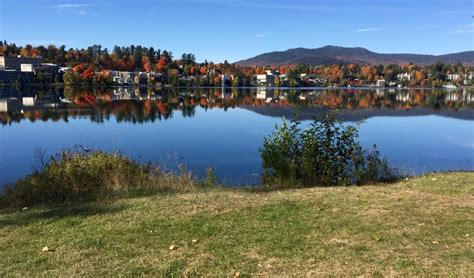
<point>307,113</point>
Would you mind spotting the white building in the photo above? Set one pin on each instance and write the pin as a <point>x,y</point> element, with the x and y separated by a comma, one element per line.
<point>226,79</point>
<point>15,63</point>
<point>9,104</point>
<point>267,79</point>
<point>28,101</point>
<point>26,67</point>
<point>3,105</point>
<point>404,76</point>
<point>453,76</point>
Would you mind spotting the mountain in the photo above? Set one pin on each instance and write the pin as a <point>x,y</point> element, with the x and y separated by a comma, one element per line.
<point>345,55</point>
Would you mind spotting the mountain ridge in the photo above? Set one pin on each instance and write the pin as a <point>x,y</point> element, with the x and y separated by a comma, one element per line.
<point>331,54</point>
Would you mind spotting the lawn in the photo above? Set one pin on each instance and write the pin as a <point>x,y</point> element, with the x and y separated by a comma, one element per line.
<point>421,226</point>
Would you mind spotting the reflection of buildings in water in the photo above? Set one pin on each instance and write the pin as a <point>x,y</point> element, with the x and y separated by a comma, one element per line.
<point>309,95</point>
<point>468,96</point>
<point>403,97</point>
<point>316,94</point>
<point>65,100</point>
<point>454,96</point>
<point>263,94</point>
<point>260,97</point>
<point>226,94</point>
<point>28,101</point>
<point>144,96</point>
<point>3,105</point>
<point>14,104</point>
<point>121,94</point>
<point>8,104</point>
<point>380,91</point>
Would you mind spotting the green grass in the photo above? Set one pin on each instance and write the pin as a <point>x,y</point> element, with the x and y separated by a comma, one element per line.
<point>423,226</point>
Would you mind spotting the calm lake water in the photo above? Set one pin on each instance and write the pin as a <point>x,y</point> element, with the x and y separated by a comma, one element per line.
<point>418,131</point>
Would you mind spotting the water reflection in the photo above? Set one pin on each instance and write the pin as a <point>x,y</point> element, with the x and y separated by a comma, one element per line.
<point>416,130</point>
<point>140,105</point>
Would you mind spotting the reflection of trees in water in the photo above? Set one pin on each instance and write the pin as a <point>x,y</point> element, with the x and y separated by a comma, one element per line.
<point>144,105</point>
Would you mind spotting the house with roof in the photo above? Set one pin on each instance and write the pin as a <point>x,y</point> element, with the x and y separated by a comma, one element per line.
<point>266,79</point>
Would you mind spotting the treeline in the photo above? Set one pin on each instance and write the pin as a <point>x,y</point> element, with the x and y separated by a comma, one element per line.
<point>131,58</point>
<point>92,64</point>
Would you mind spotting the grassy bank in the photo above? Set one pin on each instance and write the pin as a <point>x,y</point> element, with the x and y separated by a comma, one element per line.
<point>423,226</point>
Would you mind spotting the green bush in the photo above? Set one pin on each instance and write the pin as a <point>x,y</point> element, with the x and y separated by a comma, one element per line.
<point>82,173</point>
<point>326,153</point>
<point>210,179</point>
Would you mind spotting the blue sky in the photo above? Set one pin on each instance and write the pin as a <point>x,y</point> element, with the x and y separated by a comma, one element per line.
<point>237,29</point>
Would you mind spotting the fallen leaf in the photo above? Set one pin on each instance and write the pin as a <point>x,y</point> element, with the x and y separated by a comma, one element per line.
<point>173,247</point>
<point>236,274</point>
<point>47,249</point>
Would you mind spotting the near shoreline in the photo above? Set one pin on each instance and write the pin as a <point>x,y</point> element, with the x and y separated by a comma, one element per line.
<point>420,226</point>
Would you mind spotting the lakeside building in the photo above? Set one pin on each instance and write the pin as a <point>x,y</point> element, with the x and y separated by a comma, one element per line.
<point>283,77</point>
<point>453,76</point>
<point>48,71</point>
<point>15,63</point>
<point>227,79</point>
<point>28,101</point>
<point>404,76</point>
<point>267,79</point>
<point>24,70</point>
<point>135,77</point>
<point>380,83</point>
<point>466,78</point>
<point>9,104</point>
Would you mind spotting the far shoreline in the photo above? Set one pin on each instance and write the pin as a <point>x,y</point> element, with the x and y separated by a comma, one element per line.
<point>52,85</point>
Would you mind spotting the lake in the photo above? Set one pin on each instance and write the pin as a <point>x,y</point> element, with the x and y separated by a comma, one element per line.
<point>417,130</point>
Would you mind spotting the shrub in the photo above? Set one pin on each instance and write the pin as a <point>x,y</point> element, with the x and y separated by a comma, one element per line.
<point>210,179</point>
<point>325,153</point>
<point>82,173</point>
